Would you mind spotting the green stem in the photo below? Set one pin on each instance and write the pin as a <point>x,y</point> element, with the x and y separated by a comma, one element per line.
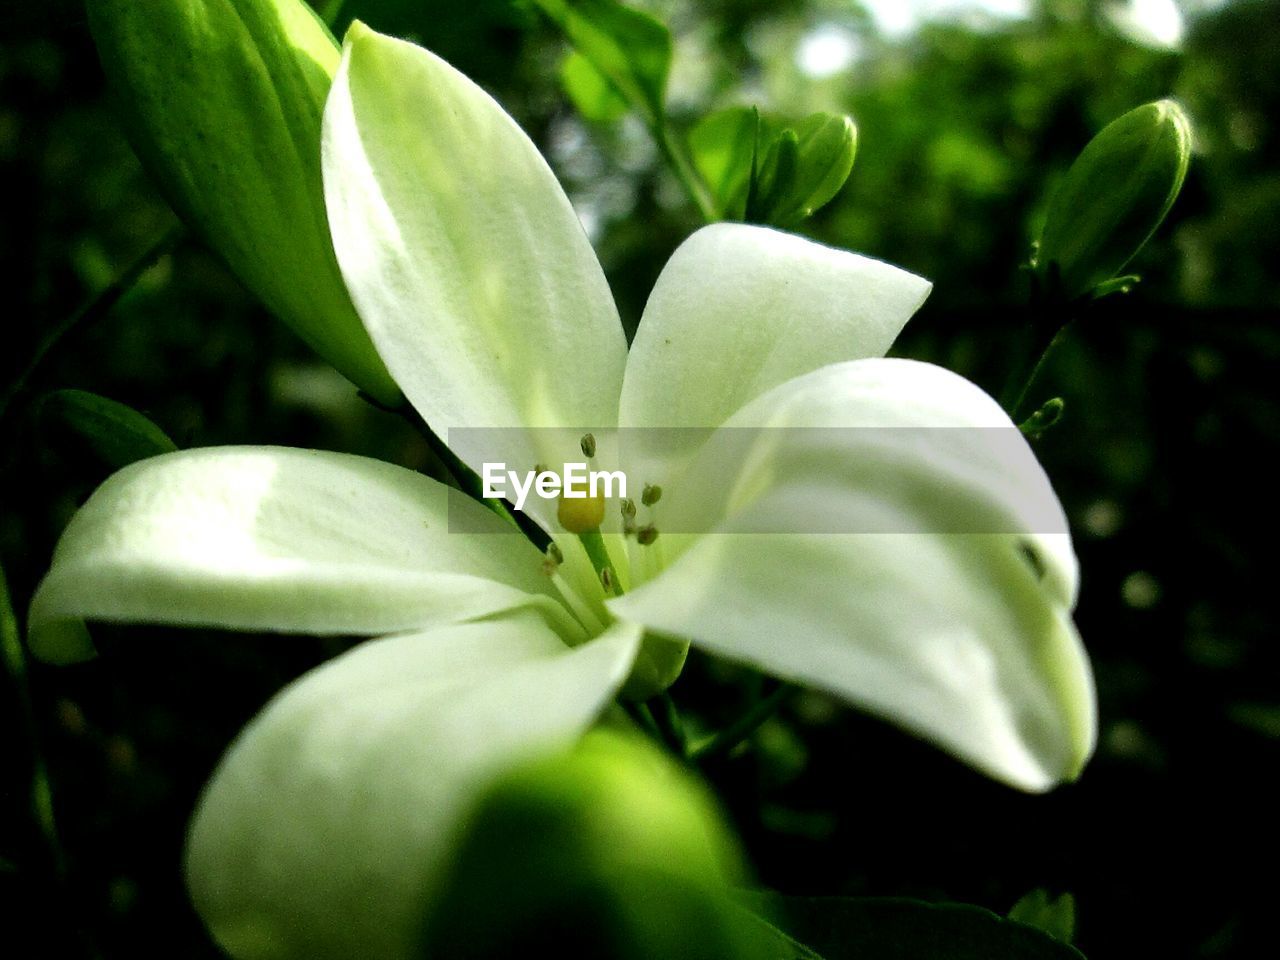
<point>40,797</point>
<point>643,717</point>
<point>331,11</point>
<point>1034,359</point>
<point>683,168</point>
<point>598,554</point>
<point>98,306</point>
<point>456,473</point>
<point>744,726</point>
<point>667,717</point>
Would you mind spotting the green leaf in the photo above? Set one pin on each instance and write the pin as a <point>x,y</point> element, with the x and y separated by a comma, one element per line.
<point>1056,917</point>
<point>115,433</point>
<point>723,148</point>
<point>875,928</point>
<point>630,49</point>
<point>774,943</point>
<point>591,92</point>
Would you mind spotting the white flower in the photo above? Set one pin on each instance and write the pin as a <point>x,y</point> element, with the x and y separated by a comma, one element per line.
<point>323,830</point>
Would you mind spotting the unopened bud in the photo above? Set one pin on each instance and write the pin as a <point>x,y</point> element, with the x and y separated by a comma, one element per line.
<point>222,100</point>
<point>608,850</point>
<point>1113,198</point>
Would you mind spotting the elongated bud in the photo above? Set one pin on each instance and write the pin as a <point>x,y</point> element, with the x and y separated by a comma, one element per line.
<point>604,851</point>
<point>222,100</point>
<point>1113,198</point>
<point>657,665</point>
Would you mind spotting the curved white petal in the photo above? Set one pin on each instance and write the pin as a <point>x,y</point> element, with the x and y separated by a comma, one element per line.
<point>889,537</point>
<point>739,309</point>
<point>463,256</point>
<point>887,432</point>
<point>279,539</point>
<point>323,830</point>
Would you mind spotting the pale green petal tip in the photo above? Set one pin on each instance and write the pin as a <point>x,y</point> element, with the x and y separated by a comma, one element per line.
<point>357,32</point>
<point>61,642</point>
<point>1068,674</point>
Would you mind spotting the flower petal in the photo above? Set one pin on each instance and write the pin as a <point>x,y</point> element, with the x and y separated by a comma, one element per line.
<point>272,538</point>
<point>739,309</point>
<point>949,615</point>
<point>464,257</point>
<point>323,832</point>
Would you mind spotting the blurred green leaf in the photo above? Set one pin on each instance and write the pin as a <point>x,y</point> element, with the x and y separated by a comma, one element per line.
<point>115,433</point>
<point>1055,916</point>
<point>774,943</point>
<point>630,49</point>
<point>723,147</point>
<point>591,92</point>
<point>874,928</point>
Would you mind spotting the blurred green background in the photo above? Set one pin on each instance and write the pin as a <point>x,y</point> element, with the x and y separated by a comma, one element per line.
<point>966,120</point>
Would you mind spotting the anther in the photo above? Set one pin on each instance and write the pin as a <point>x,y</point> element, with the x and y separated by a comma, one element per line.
<point>588,445</point>
<point>651,494</point>
<point>551,560</point>
<point>646,535</point>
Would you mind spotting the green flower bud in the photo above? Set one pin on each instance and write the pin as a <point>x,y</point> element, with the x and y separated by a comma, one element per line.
<point>222,100</point>
<point>1113,198</point>
<point>604,851</point>
<point>802,170</point>
<point>659,661</point>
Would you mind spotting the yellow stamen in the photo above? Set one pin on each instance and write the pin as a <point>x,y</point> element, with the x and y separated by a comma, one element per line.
<point>579,514</point>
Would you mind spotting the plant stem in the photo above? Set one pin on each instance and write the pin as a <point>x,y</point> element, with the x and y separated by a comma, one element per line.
<point>683,168</point>
<point>457,474</point>
<point>1034,359</point>
<point>655,121</point>
<point>598,553</point>
<point>40,796</point>
<point>643,717</point>
<point>667,717</point>
<point>97,307</point>
<point>331,11</point>
<point>744,726</point>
